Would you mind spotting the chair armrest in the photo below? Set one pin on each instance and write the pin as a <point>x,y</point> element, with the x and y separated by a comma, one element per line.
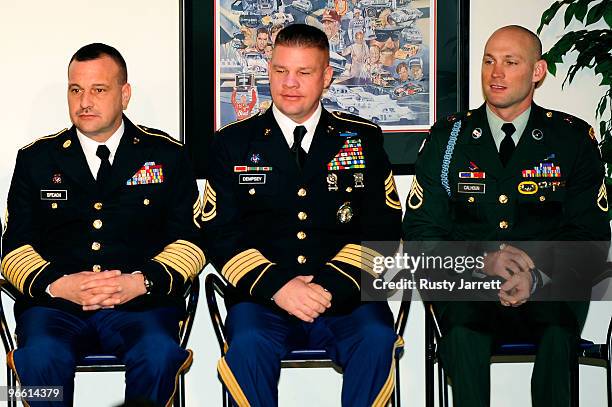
<point>213,287</point>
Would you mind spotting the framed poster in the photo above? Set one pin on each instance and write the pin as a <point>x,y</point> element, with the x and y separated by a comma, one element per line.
<point>399,63</point>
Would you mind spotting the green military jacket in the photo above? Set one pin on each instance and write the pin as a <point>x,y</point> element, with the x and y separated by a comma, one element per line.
<point>551,189</point>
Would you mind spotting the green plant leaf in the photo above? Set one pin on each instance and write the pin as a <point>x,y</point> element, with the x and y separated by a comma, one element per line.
<point>608,14</point>
<point>549,14</point>
<point>569,13</point>
<point>595,13</point>
<point>581,9</point>
<point>603,102</point>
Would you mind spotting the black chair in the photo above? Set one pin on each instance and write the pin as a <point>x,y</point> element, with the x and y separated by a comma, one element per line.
<point>300,358</point>
<point>588,353</point>
<point>103,362</point>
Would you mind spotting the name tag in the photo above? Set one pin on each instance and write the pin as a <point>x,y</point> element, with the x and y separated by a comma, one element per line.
<point>470,188</point>
<point>54,195</point>
<point>256,179</point>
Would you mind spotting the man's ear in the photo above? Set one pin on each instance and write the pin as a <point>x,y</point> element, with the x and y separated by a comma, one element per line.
<point>539,71</point>
<point>126,94</point>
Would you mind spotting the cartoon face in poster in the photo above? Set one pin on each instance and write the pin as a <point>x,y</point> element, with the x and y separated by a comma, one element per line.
<point>380,51</point>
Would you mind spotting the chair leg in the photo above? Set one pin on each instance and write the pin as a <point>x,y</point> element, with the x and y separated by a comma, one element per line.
<point>609,380</point>
<point>441,386</point>
<point>396,397</point>
<point>11,384</point>
<point>225,396</point>
<point>575,384</point>
<point>179,399</point>
<point>445,391</point>
<point>429,363</point>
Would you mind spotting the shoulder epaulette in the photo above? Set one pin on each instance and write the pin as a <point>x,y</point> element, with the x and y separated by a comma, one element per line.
<point>352,118</point>
<point>157,133</point>
<point>239,121</point>
<point>49,137</point>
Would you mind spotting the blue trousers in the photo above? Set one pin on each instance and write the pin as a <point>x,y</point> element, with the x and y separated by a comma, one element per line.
<point>362,343</point>
<point>51,342</point>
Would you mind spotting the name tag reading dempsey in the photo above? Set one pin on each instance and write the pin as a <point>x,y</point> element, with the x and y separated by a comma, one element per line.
<point>470,188</point>
<point>252,179</point>
<point>53,195</point>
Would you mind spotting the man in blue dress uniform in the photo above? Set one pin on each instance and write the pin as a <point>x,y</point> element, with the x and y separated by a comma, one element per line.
<point>292,196</point>
<point>102,239</point>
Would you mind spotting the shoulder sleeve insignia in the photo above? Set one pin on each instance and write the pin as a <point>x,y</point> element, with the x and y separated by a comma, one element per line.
<point>209,207</point>
<point>415,197</point>
<point>391,196</point>
<point>602,198</point>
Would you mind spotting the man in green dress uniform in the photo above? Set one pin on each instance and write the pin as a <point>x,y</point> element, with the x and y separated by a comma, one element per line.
<point>511,171</point>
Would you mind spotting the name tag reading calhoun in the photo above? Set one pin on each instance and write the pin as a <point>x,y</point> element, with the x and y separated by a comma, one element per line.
<point>32,393</point>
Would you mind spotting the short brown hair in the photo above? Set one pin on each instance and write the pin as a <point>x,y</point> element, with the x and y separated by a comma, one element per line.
<point>302,35</point>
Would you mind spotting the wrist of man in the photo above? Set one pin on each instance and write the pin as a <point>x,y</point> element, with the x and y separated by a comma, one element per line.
<point>148,284</point>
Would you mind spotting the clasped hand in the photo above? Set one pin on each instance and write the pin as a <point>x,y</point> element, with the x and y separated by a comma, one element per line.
<point>303,299</point>
<point>513,265</point>
<point>98,290</point>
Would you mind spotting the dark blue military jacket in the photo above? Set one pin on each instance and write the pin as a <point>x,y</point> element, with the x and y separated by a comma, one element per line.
<point>60,222</point>
<point>267,221</point>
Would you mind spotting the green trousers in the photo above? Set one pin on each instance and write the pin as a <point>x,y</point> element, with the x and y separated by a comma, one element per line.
<point>471,330</point>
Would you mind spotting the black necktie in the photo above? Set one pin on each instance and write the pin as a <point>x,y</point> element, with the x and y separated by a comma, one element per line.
<point>105,167</point>
<point>300,155</point>
<point>506,148</point>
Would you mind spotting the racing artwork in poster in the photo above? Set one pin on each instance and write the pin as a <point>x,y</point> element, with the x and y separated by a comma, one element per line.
<point>380,50</point>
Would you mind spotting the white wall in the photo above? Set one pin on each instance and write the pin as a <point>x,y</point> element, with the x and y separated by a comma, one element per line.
<point>37,40</point>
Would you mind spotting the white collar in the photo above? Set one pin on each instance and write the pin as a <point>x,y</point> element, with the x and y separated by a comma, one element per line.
<point>90,146</point>
<point>287,125</point>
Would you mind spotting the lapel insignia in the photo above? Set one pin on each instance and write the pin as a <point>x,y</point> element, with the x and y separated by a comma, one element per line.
<point>267,132</point>
<point>543,170</point>
<point>537,134</point>
<point>57,178</point>
<point>350,156</point>
<point>149,173</point>
<point>549,114</point>
<point>527,188</point>
<point>476,133</point>
<point>136,140</point>
<point>67,144</point>
<point>246,168</point>
<point>332,182</point>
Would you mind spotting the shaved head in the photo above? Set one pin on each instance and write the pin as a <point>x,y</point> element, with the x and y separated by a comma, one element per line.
<point>527,38</point>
